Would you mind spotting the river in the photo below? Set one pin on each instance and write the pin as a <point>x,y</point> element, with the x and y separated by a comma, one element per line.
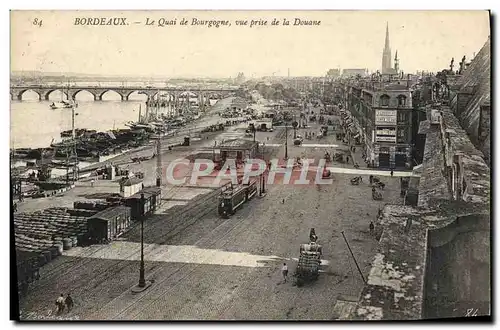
<point>33,124</point>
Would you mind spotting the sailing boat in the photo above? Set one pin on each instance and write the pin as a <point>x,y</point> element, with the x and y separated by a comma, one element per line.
<point>62,104</point>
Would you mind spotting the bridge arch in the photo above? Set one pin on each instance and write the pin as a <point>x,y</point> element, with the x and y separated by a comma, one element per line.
<point>122,96</point>
<point>22,91</point>
<point>50,91</point>
<point>138,93</point>
<point>75,92</point>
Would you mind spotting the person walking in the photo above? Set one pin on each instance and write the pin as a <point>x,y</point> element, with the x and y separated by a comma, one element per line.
<point>392,173</point>
<point>69,302</point>
<point>284,271</point>
<point>60,304</point>
<point>372,228</point>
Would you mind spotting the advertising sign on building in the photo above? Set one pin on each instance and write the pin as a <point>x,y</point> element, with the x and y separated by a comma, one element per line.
<point>385,117</point>
<point>391,139</point>
<point>386,131</point>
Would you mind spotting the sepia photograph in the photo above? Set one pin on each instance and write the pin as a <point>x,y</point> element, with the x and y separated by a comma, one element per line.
<point>257,165</point>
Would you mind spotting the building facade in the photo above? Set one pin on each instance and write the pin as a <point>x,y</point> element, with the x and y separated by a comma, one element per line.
<point>384,112</point>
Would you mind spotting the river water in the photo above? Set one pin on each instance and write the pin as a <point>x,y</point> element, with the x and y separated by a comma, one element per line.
<point>33,124</point>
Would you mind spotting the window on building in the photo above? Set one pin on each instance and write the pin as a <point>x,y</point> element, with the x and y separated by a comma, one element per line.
<point>384,100</point>
<point>402,135</point>
<point>401,101</point>
<point>402,117</point>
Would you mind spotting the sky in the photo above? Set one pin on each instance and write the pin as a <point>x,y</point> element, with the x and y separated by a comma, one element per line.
<point>425,40</point>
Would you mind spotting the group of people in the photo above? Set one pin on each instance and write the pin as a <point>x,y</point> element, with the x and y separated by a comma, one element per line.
<point>64,302</point>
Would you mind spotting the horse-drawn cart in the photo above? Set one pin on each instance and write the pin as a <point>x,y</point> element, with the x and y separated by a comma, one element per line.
<point>309,261</point>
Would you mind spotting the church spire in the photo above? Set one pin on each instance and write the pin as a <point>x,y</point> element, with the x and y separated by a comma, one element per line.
<point>386,54</point>
<point>387,44</point>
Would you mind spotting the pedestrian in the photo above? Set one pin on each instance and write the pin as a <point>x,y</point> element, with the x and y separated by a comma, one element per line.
<point>392,173</point>
<point>60,303</point>
<point>372,227</point>
<point>69,302</point>
<point>92,182</point>
<point>284,271</point>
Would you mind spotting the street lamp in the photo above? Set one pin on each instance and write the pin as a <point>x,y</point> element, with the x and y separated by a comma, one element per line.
<point>286,141</point>
<point>143,284</point>
<point>142,281</point>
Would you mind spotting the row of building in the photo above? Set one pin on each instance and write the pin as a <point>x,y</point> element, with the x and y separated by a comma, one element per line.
<point>389,106</point>
<point>433,258</point>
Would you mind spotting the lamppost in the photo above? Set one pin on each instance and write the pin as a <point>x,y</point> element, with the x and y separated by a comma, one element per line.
<point>295,124</point>
<point>286,141</point>
<point>143,284</point>
<point>142,281</point>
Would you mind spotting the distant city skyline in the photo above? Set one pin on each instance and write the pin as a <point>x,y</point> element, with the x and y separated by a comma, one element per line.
<point>424,40</point>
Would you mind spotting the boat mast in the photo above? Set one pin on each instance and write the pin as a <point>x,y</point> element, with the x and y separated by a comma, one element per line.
<point>74,154</point>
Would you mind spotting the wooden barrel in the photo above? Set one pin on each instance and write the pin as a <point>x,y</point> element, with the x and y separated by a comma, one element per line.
<point>74,240</point>
<point>67,243</point>
<point>54,251</point>
<point>81,238</point>
<point>48,256</point>
<point>59,246</point>
<point>41,260</point>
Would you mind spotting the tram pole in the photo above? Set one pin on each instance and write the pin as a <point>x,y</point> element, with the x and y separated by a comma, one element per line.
<point>158,161</point>
<point>352,254</point>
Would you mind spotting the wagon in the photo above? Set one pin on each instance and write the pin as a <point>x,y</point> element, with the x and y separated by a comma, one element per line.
<point>308,267</point>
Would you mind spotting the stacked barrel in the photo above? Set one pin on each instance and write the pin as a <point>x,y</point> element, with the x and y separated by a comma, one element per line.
<point>48,233</point>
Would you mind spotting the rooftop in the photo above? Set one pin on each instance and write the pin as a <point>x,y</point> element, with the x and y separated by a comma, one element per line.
<point>147,191</point>
<point>240,144</point>
<point>111,212</point>
<point>477,77</point>
<point>131,181</point>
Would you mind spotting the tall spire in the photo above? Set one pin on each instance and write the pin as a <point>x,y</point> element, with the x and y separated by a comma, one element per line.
<point>386,55</point>
<point>387,44</point>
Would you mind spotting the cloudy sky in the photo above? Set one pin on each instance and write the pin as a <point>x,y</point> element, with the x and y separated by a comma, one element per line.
<point>344,39</point>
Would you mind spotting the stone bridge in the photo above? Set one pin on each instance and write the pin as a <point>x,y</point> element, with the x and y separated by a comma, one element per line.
<point>44,91</point>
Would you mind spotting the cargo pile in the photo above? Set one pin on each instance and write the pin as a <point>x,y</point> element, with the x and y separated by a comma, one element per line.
<point>47,233</point>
